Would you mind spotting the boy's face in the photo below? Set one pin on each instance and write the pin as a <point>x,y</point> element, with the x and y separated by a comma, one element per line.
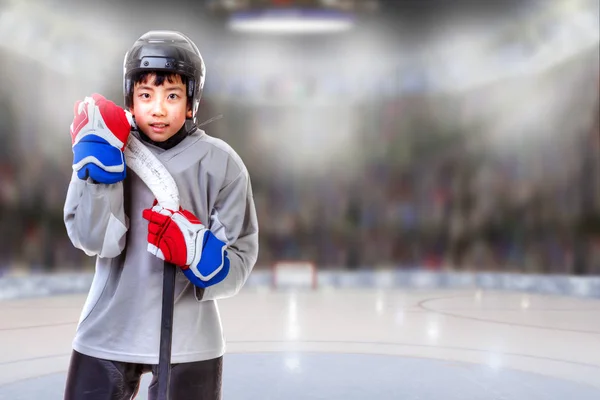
<point>160,111</point>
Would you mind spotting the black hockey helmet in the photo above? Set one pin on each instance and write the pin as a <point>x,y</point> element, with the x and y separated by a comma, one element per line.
<point>168,51</point>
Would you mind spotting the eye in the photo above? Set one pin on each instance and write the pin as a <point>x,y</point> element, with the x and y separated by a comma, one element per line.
<point>173,96</point>
<point>144,95</point>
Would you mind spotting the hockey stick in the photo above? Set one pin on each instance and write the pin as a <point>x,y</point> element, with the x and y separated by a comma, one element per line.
<point>166,331</point>
<point>163,186</point>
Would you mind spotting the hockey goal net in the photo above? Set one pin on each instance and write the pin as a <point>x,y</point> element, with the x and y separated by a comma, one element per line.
<point>294,275</point>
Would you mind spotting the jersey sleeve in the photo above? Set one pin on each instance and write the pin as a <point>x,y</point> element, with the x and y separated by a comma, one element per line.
<point>233,220</point>
<point>94,217</point>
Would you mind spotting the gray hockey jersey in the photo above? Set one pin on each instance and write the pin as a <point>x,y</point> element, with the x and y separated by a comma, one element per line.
<point>121,317</point>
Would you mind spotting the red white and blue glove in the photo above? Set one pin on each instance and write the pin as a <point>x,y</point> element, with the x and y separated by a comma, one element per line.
<point>180,238</point>
<point>99,134</point>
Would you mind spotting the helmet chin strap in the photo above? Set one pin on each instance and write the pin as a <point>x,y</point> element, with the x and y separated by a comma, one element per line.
<point>208,121</point>
<point>188,128</point>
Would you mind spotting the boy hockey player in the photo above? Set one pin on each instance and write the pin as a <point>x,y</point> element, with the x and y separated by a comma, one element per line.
<point>213,238</point>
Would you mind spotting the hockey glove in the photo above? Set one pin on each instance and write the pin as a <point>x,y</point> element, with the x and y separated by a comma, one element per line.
<point>99,134</point>
<point>180,238</point>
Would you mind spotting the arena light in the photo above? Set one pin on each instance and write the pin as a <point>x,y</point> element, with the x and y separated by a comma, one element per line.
<point>291,22</point>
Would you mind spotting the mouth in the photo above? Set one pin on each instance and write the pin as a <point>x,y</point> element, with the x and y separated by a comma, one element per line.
<point>158,127</point>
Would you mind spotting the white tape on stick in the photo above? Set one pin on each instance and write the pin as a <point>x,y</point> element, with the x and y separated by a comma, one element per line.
<point>154,174</point>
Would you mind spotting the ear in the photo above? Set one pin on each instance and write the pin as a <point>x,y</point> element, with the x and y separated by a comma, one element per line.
<point>188,114</point>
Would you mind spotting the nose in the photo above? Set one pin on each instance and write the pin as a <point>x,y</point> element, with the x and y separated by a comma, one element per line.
<point>158,108</point>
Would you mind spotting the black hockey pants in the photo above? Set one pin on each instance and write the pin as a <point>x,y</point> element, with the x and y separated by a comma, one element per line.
<point>92,378</point>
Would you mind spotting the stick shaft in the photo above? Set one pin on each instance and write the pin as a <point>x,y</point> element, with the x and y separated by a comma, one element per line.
<point>166,331</point>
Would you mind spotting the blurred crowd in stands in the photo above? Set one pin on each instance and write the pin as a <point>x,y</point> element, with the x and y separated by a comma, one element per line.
<point>427,180</point>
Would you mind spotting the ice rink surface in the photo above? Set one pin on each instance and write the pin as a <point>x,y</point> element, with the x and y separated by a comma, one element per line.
<point>353,344</point>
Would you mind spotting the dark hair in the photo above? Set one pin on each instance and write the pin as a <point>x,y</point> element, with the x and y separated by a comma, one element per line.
<point>160,76</point>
